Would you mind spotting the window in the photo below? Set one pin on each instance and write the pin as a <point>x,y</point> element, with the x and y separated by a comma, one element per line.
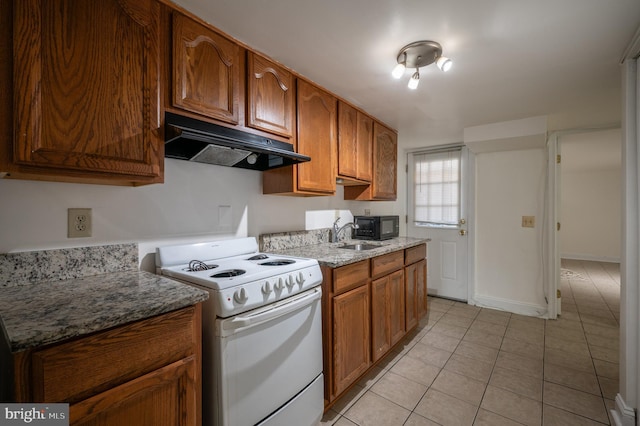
<point>436,188</point>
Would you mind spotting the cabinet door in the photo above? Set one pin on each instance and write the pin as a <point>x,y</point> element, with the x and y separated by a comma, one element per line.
<point>411,296</point>
<point>270,96</point>
<point>86,88</point>
<point>351,337</point>
<point>163,397</point>
<point>365,146</point>
<point>317,138</point>
<point>396,306</point>
<point>206,71</point>
<point>421,286</point>
<point>385,152</point>
<point>347,140</point>
<point>380,324</point>
<point>354,143</point>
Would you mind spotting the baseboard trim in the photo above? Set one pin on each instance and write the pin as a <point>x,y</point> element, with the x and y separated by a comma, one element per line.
<point>623,415</point>
<point>528,309</point>
<point>590,257</point>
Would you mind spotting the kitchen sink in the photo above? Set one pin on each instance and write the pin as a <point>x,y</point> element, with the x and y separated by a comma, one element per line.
<point>359,247</point>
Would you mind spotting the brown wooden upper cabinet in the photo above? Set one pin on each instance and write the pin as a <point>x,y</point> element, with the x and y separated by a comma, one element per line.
<point>86,85</point>
<point>355,133</point>
<point>207,71</point>
<point>317,119</point>
<point>385,174</point>
<point>271,96</point>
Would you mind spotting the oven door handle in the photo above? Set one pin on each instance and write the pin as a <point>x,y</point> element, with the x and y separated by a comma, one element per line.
<point>276,311</point>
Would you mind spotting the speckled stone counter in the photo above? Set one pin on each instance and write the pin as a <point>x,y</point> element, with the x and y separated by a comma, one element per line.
<point>330,254</point>
<point>39,313</point>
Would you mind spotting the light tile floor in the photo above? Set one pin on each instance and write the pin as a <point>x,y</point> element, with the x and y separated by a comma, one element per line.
<point>470,366</point>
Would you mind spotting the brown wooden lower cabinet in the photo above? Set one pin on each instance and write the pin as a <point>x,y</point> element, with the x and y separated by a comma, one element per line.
<point>351,348</point>
<point>387,313</point>
<point>416,293</point>
<point>144,373</point>
<point>369,307</point>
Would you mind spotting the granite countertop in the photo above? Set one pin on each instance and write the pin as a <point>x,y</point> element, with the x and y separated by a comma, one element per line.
<point>48,312</point>
<point>53,295</point>
<point>330,254</point>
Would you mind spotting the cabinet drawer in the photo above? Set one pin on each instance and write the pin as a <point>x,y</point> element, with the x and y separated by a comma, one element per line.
<point>350,276</point>
<point>82,368</point>
<point>387,263</point>
<point>415,254</point>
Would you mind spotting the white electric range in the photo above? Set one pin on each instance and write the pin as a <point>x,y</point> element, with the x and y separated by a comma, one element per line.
<point>262,331</point>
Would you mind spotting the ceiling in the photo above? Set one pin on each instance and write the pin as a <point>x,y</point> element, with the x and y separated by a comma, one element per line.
<point>511,59</point>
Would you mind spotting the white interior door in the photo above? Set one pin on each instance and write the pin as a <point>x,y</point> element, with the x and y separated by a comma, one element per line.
<point>447,252</point>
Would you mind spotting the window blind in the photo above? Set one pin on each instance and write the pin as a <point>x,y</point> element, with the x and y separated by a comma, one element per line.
<point>436,184</point>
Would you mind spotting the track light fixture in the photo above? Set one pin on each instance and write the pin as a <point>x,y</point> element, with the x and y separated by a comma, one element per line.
<point>417,55</point>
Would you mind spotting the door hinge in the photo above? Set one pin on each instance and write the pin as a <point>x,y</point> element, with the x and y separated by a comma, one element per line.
<point>558,294</point>
<point>406,218</point>
<point>558,226</point>
<point>558,159</point>
<point>406,168</point>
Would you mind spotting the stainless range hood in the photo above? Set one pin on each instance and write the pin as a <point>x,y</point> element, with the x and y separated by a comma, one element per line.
<point>194,140</point>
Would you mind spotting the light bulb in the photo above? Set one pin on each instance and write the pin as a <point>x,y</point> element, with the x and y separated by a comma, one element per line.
<point>252,158</point>
<point>398,71</point>
<point>444,63</point>
<point>413,82</point>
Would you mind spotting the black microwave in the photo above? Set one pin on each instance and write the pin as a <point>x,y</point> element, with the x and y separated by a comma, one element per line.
<point>376,227</point>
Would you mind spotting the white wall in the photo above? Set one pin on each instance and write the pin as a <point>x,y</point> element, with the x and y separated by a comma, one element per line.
<point>196,202</point>
<point>590,210</point>
<point>508,257</point>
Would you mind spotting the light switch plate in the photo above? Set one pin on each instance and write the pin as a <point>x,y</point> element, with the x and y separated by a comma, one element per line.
<point>528,221</point>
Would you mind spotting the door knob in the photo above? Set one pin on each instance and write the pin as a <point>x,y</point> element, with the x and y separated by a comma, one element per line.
<point>462,221</point>
<point>463,232</point>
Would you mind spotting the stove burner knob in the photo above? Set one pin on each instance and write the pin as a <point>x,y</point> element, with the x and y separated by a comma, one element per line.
<point>266,288</point>
<point>279,285</point>
<point>290,281</point>
<point>300,279</point>
<point>240,296</point>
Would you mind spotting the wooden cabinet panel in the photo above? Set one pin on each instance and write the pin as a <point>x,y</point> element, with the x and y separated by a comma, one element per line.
<point>385,152</point>
<point>387,313</point>
<point>380,332</point>
<point>384,174</point>
<point>350,276</point>
<point>317,138</point>
<point>387,263</point>
<point>397,306</point>
<point>411,296</point>
<point>414,254</point>
<point>206,71</point>
<point>351,347</point>
<point>270,96</point>
<point>165,397</point>
<point>416,293</point>
<point>86,77</point>
<point>354,143</point>
<point>365,147</point>
<point>421,281</point>
<point>347,141</point>
<point>65,373</point>
<point>145,373</point>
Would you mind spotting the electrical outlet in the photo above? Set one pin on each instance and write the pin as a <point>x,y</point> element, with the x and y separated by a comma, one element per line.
<point>78,223</point>
<point>528,221</point>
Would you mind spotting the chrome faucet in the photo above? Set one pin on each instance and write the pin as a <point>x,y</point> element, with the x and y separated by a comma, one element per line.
<point>337,231</point>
